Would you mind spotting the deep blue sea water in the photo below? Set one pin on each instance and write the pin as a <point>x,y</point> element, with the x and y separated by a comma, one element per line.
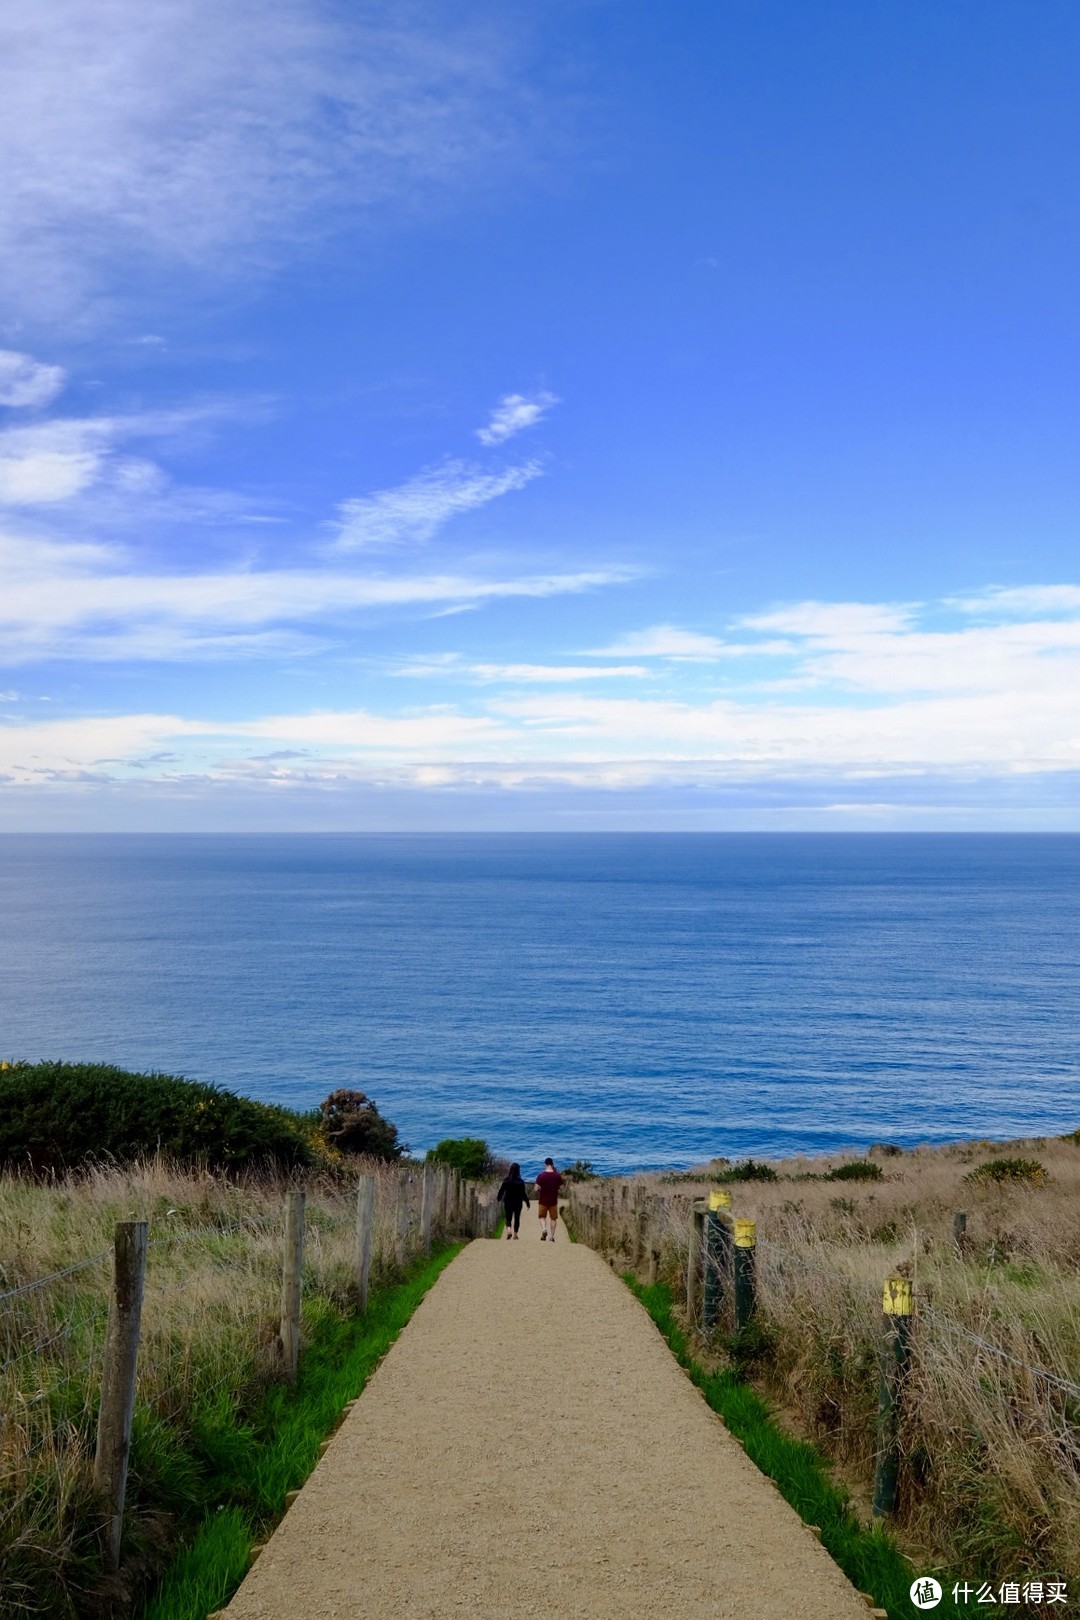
<point>637,1000</point>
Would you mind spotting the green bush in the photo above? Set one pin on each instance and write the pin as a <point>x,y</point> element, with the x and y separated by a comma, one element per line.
<point>58,1116</point>
<point>466,1154</point>
<point>580,1170</point>
<point>748,1170</point>
<point>1002,1171</point>
<point>351,1123</point>
<point>855,1170</point>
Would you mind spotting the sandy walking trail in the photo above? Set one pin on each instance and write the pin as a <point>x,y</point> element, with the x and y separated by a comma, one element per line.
<point>530,1447</point>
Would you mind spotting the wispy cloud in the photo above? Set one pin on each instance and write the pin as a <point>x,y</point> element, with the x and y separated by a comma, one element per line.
<point>25,381</point>
<point>415,511</point>
<point>832,619</point>
<point>88,601</point>
<point>513,414</point>
<point>664,641</point>
<point>216,136</point>
<point>46,462</point>
<point>999,600</point>
<point>558,674</point>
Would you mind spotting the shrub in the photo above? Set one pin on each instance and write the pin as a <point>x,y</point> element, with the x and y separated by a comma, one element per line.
<point>466,1154</point>
<point>855,1170</point>
<point>580,1170</point>
<point>351,1122</point>
<point>1001,1171</point>
<point>748,1170</point>
<point>58,1116</point>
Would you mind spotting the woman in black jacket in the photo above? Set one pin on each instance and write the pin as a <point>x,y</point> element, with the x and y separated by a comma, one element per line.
<point>512,1194</point>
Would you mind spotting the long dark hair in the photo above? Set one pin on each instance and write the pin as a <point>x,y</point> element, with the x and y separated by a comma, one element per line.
<point>514,1173</point>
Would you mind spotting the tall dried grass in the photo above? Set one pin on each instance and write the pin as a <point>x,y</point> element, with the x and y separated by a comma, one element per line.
<point>209,1339</point>
<point>990,1480</point>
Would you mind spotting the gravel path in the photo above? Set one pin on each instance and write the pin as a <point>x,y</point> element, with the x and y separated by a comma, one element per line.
<point>529,1446</point>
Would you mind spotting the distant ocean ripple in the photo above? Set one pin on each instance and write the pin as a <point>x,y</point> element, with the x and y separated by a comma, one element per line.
<point>637,1000</point>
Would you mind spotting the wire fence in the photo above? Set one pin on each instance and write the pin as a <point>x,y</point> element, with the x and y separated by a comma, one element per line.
<point>972,1390</point>
<point>210,1332</point>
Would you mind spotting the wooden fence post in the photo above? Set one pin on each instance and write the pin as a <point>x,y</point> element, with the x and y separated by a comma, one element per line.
<point>745,1257</point>
<point>118,1379</point>
<point>716,1256</point>
<point>427,1200</point>
<point>693,1256</point>
<point>401,1217</point>
<point>291,1273</point>
<point>959,1229</point>
<point>365,1209</point>
<point>893,1361</point>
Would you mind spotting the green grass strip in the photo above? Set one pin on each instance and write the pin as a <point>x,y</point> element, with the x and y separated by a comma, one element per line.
<point>257,1461</point>
<point>869,1557</point>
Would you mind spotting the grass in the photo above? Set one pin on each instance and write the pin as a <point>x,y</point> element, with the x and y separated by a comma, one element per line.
<point>990,1464</point>
<point>869,1557</point>
<point>258,1461</point>
<point>210,1406</point>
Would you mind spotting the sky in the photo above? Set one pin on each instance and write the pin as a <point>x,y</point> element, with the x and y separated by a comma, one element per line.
<point>540,414</point>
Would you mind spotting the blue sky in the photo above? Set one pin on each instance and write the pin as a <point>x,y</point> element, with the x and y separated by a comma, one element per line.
<point>588,413</point>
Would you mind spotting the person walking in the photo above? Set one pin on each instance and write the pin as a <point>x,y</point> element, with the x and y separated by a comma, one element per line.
<point>548,1183</point>
<point>512,1195</point>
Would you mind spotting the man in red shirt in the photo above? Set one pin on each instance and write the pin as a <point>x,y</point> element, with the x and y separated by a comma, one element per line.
<point>548,1183</point>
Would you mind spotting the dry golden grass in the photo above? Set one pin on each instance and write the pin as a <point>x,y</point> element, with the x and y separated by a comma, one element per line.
<point>991,1450</point>
<point>209,1326</point>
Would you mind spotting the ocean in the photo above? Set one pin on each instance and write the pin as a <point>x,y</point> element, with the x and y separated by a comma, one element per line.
<point>636,1000</point>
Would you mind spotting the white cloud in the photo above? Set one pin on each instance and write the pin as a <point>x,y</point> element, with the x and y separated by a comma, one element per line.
<point>565,674</point>
<point>665,641</point>
<point>26,381</point>
<point>82,601</point>
<point>513,414</point>
<point>51,461</point>
<point>1020,599</point>
<point>214,135</point>
<point>417,510</point>
<point>42,463</point>
<point>831,619</point>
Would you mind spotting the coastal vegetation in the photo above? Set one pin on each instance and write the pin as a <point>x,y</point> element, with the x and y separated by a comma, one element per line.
<point>984,1232</point>
<point>56,1117</point>
<point>468,1155</point>
<point>215,1426</point>
<point>986,1235</point>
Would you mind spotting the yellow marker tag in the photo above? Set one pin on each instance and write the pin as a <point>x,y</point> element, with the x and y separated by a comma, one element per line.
<point>719,1198</point>
<point>897,1297</point>
<point>745,1234</point>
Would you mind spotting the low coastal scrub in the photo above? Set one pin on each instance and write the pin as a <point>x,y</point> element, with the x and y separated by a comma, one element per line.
<point>468,1155</point>
<point>213,1423</point>
<point>990,1436</point>
<point>56,1117</point>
